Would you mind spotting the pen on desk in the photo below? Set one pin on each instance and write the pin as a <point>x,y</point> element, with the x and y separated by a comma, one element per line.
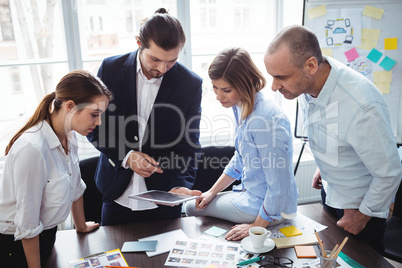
<point>320,243</point>
<point>340,247</point>
<point>95,255</point>
<point>249,261</point>
<point>333,251</point>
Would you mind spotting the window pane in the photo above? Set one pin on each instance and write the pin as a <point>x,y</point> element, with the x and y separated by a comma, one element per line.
<point>109,27</point>
<point>22,89</point>
<point>31,30</point>
<point>92,66</point>
<point>293,15</point>
<point>220,24</point>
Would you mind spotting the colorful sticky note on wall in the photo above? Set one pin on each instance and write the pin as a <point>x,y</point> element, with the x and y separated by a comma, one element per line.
<point>387,63</point>
<point>373,12</point>
<point>374,55</point>
<point>290,231</point>
<point>383,76</point>
<point>327,52</point>
<point>367,44</point>
<point>390,43</point>
<point>317,12</point>
<point>370,34</point>
<point>383,87</point>
<point>351,54</point>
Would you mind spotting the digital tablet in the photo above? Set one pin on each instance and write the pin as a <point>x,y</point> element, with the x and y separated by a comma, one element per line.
<point>137,246</point>
<point>163,197</point>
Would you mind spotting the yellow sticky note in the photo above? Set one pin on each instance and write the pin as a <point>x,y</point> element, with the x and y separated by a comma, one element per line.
<point>367,44</point>
<point>290,231</point>
<point>317,12</point>
<point>384,76</point>
<point>373,12</point>
<point>390,43</point>
<point>370,34</point>
<point>327,52</point>
<point>383,87</point>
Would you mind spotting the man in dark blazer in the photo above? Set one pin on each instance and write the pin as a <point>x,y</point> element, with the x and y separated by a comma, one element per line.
<point>149,139</point>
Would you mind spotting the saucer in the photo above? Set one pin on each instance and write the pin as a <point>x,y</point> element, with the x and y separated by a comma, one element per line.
<point>269,245</point>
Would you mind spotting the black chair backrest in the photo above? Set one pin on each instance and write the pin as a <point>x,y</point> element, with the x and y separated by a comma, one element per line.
<point>211,165</point>
<point>92,196</point>
<point>398,203</point>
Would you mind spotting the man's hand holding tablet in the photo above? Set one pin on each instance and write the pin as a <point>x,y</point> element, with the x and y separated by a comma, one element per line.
<point>174,197</point>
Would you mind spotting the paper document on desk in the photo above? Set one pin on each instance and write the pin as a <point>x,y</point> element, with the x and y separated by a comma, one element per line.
<point>112,257</point>
<point>302,223</point>
<point>165,241</point>
<point>200,253</point>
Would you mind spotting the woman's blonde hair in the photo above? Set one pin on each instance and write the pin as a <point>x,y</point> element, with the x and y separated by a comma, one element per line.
<point>79,86</point>
<point>235,66</point>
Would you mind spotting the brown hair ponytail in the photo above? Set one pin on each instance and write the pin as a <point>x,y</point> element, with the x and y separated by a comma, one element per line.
<point>79,86</point>
<point>41,113</point>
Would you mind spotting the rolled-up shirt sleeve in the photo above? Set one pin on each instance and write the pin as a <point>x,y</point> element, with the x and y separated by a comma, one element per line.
<point>375,145</point>
<point>235,167</point>
<point>29,169</point>
<point>276,156</point>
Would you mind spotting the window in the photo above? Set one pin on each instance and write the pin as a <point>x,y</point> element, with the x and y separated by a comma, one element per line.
<point>7,30</point>
<point>40,41</point>
<point>32,59</point>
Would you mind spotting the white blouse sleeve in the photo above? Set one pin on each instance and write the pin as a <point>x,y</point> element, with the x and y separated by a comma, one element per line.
<point>30,174</point>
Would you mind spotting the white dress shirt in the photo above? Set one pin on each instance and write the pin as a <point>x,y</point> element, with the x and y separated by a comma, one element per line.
<point>39,183</point>
<point>351,137</point>
<point>147,89</point>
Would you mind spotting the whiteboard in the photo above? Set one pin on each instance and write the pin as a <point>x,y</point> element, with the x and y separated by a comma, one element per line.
<point>354,35</point>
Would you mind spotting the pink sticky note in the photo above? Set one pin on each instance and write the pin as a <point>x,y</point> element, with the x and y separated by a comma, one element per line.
<point>351,54</point>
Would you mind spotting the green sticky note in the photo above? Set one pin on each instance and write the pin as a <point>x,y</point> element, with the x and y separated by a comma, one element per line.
<point>374,55</point>
<point>387,63</point>
<point>215,231</point>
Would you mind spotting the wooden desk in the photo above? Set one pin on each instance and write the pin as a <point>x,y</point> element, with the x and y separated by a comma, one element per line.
<point>71,245</point>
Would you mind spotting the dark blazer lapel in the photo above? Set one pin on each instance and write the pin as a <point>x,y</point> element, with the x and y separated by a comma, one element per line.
<point>129,75</point>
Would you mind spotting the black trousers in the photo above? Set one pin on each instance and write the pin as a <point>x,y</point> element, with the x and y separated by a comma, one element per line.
<point>12,252</point>
<point>113,213</point>
<point>372,234</point>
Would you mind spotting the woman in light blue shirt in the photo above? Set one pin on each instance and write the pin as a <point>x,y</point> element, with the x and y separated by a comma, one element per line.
<point>263,157</point>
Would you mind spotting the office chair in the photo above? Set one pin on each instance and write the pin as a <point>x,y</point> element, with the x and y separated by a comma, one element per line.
<point>393,231</point>
<point>211,165</point>
<point>92,196</point>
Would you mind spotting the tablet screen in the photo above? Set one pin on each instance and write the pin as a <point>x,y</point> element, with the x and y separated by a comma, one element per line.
<point>163,197</point>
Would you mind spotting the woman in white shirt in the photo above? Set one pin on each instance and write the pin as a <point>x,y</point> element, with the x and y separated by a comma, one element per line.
<point>41,181</point>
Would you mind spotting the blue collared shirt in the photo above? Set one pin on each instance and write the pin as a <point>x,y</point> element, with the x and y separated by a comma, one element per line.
<point>263,162</point>
<point>351,137</point>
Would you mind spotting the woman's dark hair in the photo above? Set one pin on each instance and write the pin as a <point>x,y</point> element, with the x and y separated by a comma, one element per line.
<point>235,66</point>
<point>79,86</point>
<point>163,29</point>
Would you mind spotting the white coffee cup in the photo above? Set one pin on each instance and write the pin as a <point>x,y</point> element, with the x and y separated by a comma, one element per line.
<point>258,235</point>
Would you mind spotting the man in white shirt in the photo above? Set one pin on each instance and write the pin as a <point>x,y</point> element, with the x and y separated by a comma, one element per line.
<point>149,139</point>
<point>349,131</point>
